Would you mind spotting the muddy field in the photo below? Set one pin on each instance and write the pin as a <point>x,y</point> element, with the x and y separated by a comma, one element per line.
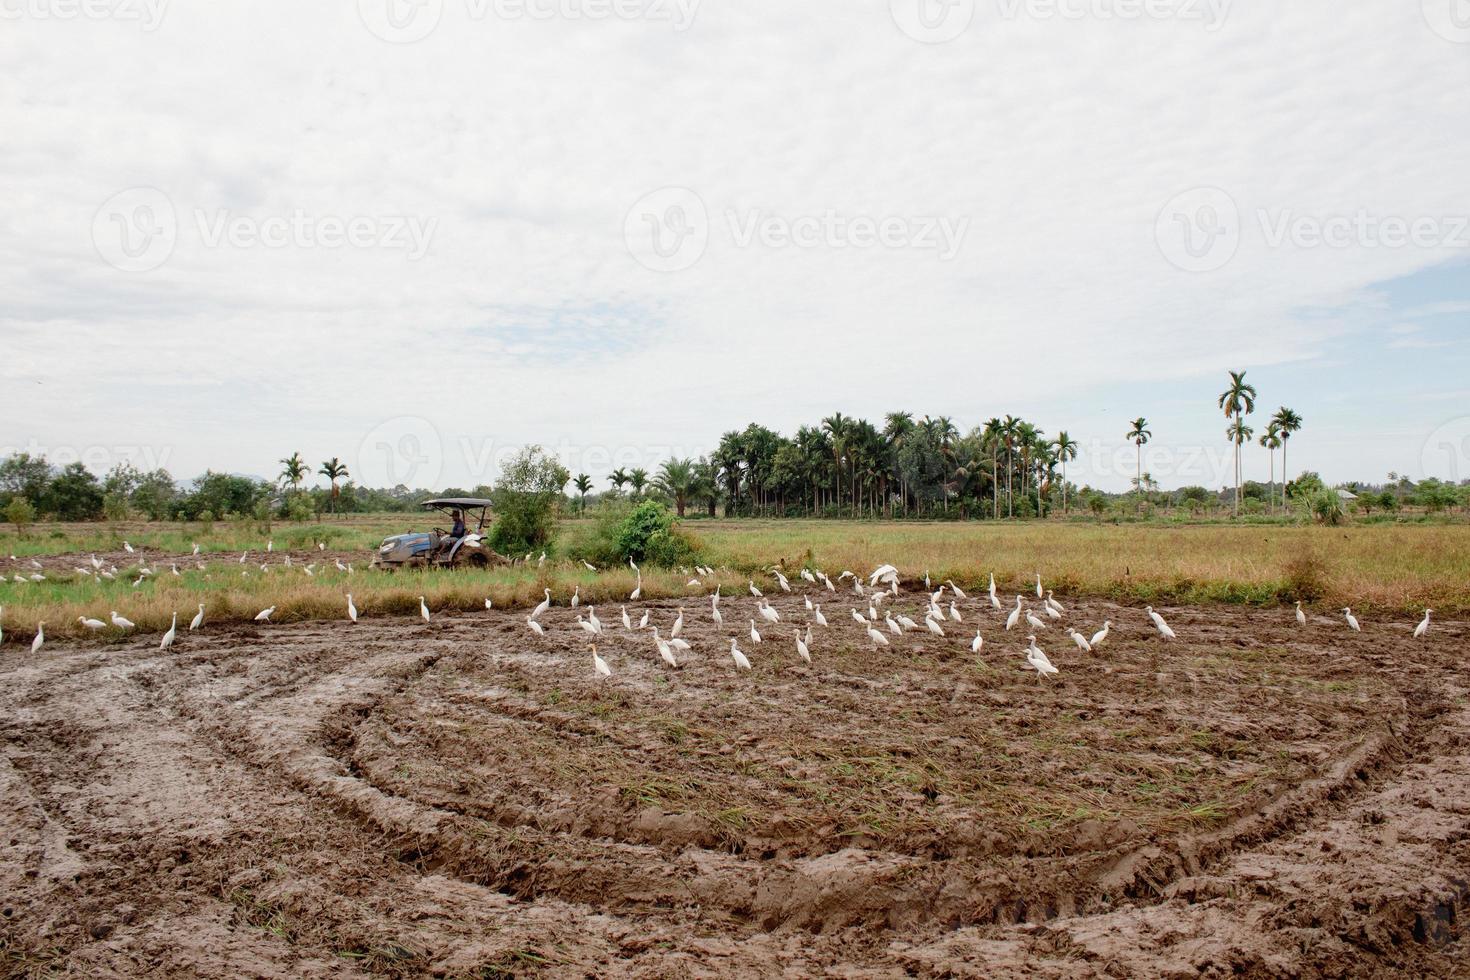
<point>466,798</point>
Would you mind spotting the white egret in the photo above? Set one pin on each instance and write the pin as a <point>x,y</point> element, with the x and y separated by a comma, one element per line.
<point>637,589</point>
<point>40,637</point>
<point>716,616</point>
<point>168,638</point>
<point>755,636</point>
<point>1163,627</point>
<point>120,622</point>
<point>535,626</point>
<point>978,643</point>
<point>808,603</point>
<point>934,627</point>
<point>1052,602</point>
<point>954,613</point>
<point>753,590</point>
<point>817,615</point>
<point>741,662</point>
<point>423,609</point>
<point>576,597</point>
<point>893,627</point>
<point>264,616</point>
<point>1015,616</point>
<point>878,638</point>
<point>768,612</point>
<point>781,580</point>
<point>1039,593</point>
<point>665,649</point>
<point>592,618</point>
<point>588,565</point>
<point>598,664</point>
<point>801,649</point>
<point>1034,621</point>
<point>1423,627</point>
<point>1301,617</point>
<point>351,609</point>
<point>680,644</point>
<point>643,623</point>
<point>857,617</point>
<point>543,605</point>
<point>1080,640</point>
<point>489,604</point>
<point>1051,613</point>
<point>907,623</point>
<point>1037,660</point>
<point>588,627</point>
<point>1352,621</point>
<point>1102,634</point>
<point>91,624</point>
<point>886,574</point>
<point>127,547</point>
<point>627,621</point>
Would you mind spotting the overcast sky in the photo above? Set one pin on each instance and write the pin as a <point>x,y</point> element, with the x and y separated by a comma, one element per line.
<point>416,236</point>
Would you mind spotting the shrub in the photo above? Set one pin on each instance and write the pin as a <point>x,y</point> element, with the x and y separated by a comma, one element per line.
<point>1326,507</point>
<point>1306,578</point>
<point>20,513</point>
<point>525,500</point>
<point>648,534</point>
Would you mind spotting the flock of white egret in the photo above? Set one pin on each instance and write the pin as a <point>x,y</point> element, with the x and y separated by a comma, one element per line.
<point>881,624</point>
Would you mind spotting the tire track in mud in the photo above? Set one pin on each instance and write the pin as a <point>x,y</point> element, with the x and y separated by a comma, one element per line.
<point>277,717</point>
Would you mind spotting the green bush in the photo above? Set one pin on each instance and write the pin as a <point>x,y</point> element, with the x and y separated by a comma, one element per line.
<point>525,500</point>
<point>648,534</point>
<point>20,513</point>
<point>1326,507</point>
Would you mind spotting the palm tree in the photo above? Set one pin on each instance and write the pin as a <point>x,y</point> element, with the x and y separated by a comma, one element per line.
<point>1138,435</point>
<point>294,472</point>
<point>896,431</point>
<point>1010,431</point>
<point>1239,433</point>
<point>676,478</point>
<point>617,478</point>
<point>1271,439</point>
<point>1287,422</point>
<point>333,469</point>
<point>1237,400</point>
<point>638,479</point>
<point>838,428</point>
<point>1066,449</point>
<point>994,435</point>
<point>583,483</point>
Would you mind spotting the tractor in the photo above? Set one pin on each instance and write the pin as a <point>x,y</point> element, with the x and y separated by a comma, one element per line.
<point>436,548</point>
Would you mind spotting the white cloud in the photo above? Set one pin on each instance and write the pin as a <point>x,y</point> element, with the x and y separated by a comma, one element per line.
<point>1059,141</point>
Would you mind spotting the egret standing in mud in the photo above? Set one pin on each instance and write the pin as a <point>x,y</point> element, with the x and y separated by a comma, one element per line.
<point>598,664</point>
<point>801,648</point>
<point>423,609</point>
<point>978,643</point>
<point>1301,617</point>
<point>168,638</point>
<point>351,609</point>
<point>1352,620</point>
<point>741,662</point>
<point>1423,627</point>
<point>1162,626</point>
<point>542,606</point>
<point>264,616</point>
<point>535,626</point>
<point>1037,660</point>
<point>1014,617</point>
<point>92,624</point>
<point>40,638</point>
<point>1102,634</point>
<point>198,619</point>
<point>123,623</point>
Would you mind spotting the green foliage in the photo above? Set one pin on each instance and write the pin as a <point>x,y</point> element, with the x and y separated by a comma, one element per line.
<point>115,506</point>
<point>1326,506</point>
<point>525,500</point>
<point>74,495</point>
<point>25,475</point>
<point>649,535</point>
<point>21,513</point>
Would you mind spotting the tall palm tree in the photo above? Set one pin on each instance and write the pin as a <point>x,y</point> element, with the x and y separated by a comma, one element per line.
<point>1271,440</point>
<point>294,471</point>
<point>838,428</point>
<point>676,478</point>
<point>1239,433</point>
<point>1238,400</point>
<point>333,469</point>
<point>896,431</point>
<point>1287,422</point>
<point>1010,432</point>
<point>638,479</point>
<point>1066,449</point>
<point>583,483</point>
<point>994,435</point>
<point>1138,435</point>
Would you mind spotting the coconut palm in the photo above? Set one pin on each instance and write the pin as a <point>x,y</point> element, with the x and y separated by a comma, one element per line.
<point>333,469</point>
<point>294,471</point>
<point>994,436</point>
<point>617,478</point>
<point>1287,422</point>
<point>1138,435</point>
<point>583,483</point>
<point>1238,433</point>
<point>638,479</point>
<point>1271,440</point>
<point>676,478</point>
<point>1010,433</point>
<point>1066,449</point>
<point>1238,400</point>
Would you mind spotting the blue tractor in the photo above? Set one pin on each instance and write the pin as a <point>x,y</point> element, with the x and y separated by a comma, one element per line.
<point>438,548</point>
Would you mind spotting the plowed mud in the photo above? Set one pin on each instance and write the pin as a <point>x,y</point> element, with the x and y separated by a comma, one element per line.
<point>466,798</point>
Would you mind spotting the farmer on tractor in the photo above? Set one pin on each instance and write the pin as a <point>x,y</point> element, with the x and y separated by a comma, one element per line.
<point>456,533</point>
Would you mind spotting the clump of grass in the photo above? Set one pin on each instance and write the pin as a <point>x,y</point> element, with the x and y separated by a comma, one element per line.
<point>1305,579</point>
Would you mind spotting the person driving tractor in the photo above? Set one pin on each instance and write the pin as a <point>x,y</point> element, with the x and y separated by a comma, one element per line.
<point>455,534</point>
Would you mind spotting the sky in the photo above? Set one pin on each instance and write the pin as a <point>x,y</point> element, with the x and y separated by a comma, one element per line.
<point>418,234</point>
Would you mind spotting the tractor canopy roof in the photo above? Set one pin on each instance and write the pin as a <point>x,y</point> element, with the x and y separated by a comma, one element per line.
<point>462,502</point>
